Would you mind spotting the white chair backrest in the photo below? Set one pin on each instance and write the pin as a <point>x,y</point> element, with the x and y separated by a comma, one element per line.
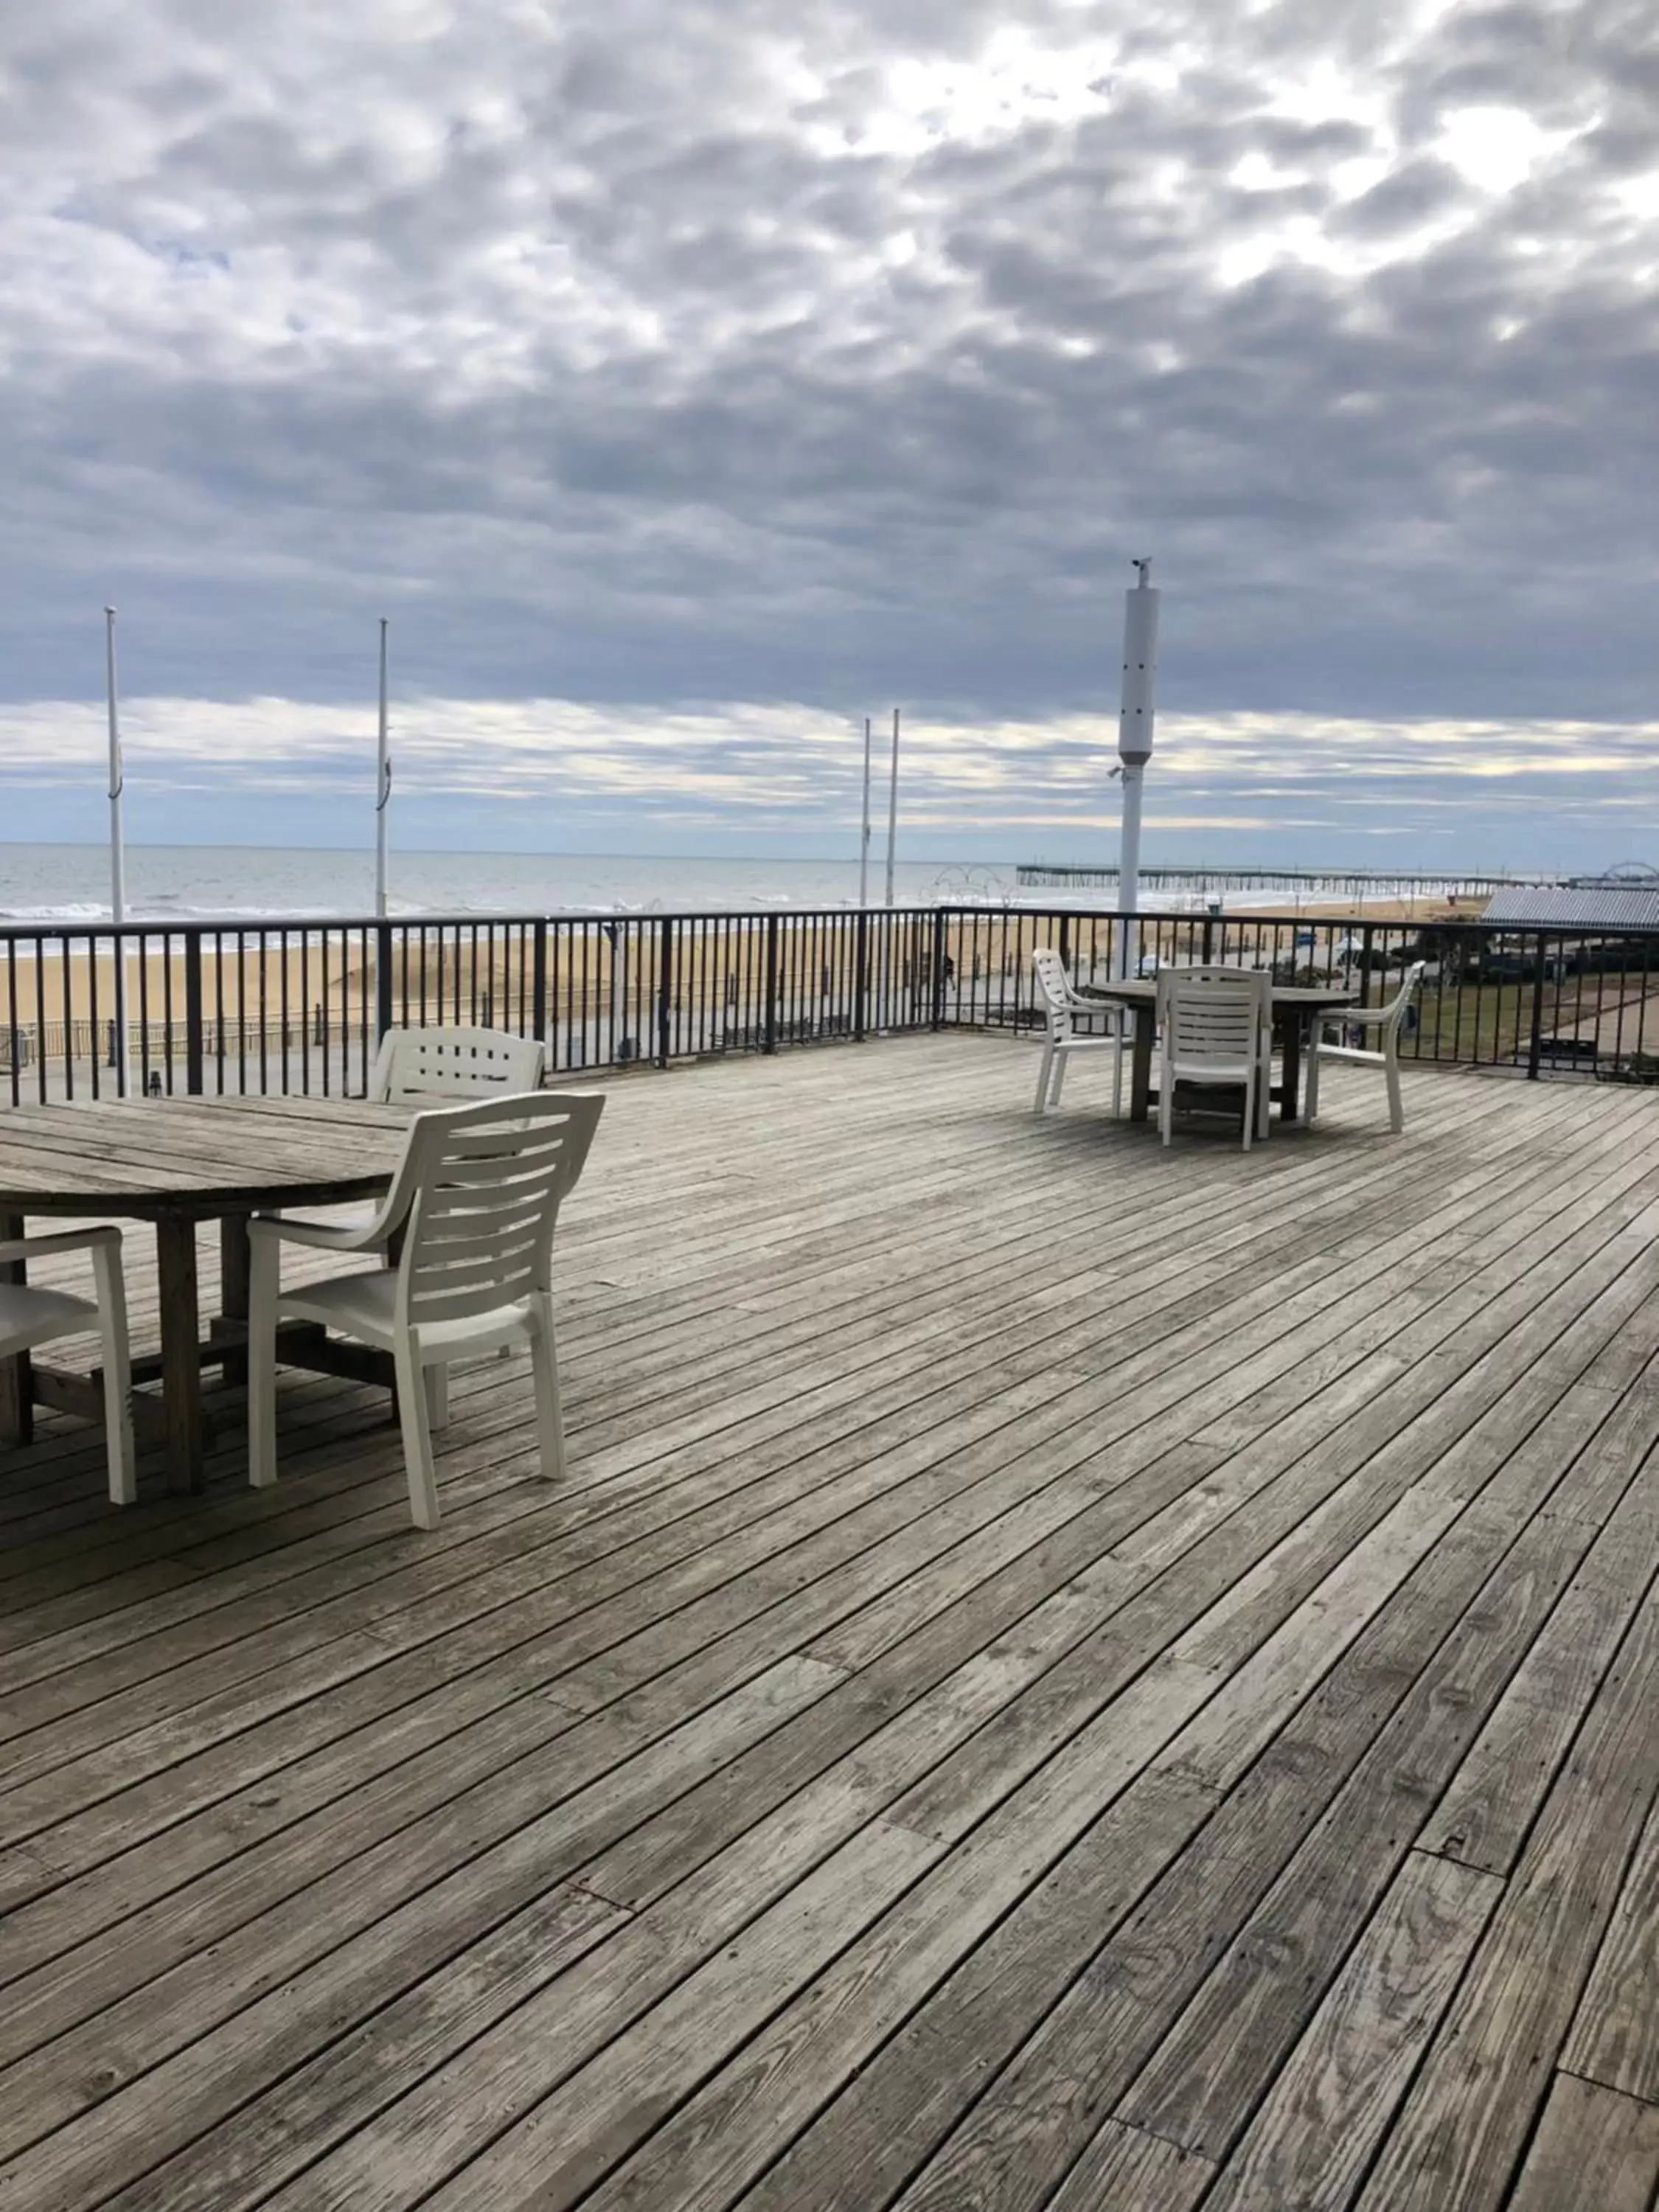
<point>1396,1012</point>
<point>458,1063</point>
<point>1055,985</point>
<point>1213,1013</point>
<point>484,1183</point>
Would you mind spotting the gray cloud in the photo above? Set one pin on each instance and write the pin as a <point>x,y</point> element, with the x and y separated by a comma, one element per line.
<point>835,353</point>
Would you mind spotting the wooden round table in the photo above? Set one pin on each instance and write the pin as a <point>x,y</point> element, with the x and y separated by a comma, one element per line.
<point>178,1162</point>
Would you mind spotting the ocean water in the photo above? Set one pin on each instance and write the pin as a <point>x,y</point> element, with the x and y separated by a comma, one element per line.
<point>68,884</point>
<point>188,883</point>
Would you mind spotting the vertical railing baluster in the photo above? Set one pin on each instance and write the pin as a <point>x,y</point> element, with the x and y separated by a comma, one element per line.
<point>16,1039</point>
<point>770,1018</point>
<point>382,1012</point>
<point>41,1045</point>
<point>94,1023</point>
<point>1535,1038</point>
<point>1642,1006</point>
<point>538,1027</point>
<point>264,1014</point>
<point>193,1012</point>
<point>169,1031</point>
<point>65,978</point>
<point>665,991</point>
<point>218,1040</point>
<point>326,1023</point>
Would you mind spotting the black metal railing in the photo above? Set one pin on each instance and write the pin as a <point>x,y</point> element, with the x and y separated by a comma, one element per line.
<point>301,1006</point>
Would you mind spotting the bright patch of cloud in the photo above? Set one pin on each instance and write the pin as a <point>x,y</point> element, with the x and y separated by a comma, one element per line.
<point>1497,148</point>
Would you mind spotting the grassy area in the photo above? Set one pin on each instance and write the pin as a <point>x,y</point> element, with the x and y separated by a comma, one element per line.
<point>1488,1021</point>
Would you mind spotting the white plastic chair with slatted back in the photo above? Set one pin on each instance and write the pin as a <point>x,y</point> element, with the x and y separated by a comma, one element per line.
<point>32,1314</point>
<point>454,1063</point>
<point>1385,1022</point>
<point>412,1065</point>
<point>439,1063</point>
<point>477,1196</point>
<point>1217,1029</point>
<point>1064,1007</point>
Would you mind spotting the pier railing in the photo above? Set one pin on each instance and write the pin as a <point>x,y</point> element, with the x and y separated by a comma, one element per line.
<point>300,1006</point>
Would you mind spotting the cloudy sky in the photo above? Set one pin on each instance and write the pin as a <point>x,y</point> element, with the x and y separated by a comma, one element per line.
<point>685,379</point>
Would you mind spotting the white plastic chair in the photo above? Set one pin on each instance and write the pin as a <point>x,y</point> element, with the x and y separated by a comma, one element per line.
<point>454,1063</point>
<point>30,1314</point>
<point>1386,1021</point>
<point>478,1194</point>
<point>1216,1028</point>
<point>1063,1007</point>
<point>439,1063</point>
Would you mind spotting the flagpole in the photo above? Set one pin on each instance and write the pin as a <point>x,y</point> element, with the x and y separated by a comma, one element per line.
<point>892,809</point>
<point>863,840</point>
<point>118,872</point>
<point>1134,746</point>
<point>382,788</point>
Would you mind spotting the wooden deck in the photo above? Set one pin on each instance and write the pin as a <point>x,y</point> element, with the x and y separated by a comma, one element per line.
<point>1063,1674</point>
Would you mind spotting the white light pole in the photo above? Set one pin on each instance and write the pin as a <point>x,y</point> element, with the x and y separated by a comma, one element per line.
<point>382,789</point>
<point>864,837</point>
<point>117,866</point>
<point>892,809</point>
<point>1134,746</point>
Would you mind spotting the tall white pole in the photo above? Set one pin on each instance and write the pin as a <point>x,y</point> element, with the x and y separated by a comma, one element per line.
<point>1134,746</point>
<point>118,863</point>
<point>382,788</point>
<point>892,809</point>
<point>864,839</point>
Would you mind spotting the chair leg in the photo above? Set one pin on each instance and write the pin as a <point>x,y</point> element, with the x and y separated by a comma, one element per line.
<point>1310,1088</point>
<point>417,1436</point>
<point>118,1373</point>
<point>437,1395</point>
<point>263,1277</point>
<point>1117,1072</point>
<point>1165,1102</point>
<point>1396,1104</point>
<point>1060,1078</point>
<point>1249,1104</point>
<point>549,1408</point>
<point>1043,1073</point>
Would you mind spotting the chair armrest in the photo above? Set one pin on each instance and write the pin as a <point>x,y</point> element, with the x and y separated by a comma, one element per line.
<point>367,1236</point>
<point>1361,1017</point>
<point>62,1240</point>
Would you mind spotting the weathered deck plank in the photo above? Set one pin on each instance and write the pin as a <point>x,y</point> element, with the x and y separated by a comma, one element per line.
<point>958,1736</point>
<point>1593,2147</point>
